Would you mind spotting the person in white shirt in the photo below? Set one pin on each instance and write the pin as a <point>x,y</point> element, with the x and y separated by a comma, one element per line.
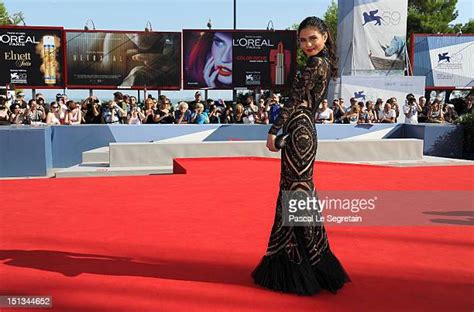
<point>388,114</point>
<point>411,109</point>
<point>136,116</point>
<point>325,114</point>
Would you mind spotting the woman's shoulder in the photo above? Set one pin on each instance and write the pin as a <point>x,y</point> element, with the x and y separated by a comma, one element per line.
<point>316,65</point>
<point>316,61</point>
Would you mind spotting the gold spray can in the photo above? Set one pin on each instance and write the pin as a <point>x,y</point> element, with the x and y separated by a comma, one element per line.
<point>49,60</point>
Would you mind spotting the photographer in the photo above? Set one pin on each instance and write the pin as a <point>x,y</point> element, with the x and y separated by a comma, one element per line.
<point>450,114</point>
<point>93,111</point>
<point>4,112</point>
<point>136,116</point>
<point>61,100</point>
<point>54,116</point>
<point>17,116</point>
<point>228,116</point>
<point>73,114</point>
<point>119,100</point>
<point>199,116</point>
<point>182,115</point>
<point>35,114</point>
<point>20,100</point>
<point>112,113</point>
<point>214,115</point>
<point>338,110</point>
<point>40,102</point>
<point>273,107</point>
<point>149,111</point>
<point>164,115</point>
<point>435,114</point>
<point>261,117</point>
<point>395,107</point>
<point>370,114</point>
<point>411,109</point>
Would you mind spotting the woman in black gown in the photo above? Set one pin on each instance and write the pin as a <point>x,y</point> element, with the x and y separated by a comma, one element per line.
<point>298,258</point>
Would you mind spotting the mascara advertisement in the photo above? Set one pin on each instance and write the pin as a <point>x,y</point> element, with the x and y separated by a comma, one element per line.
<point>216,59</point>
<point>100,59</point>
<point>31,57</point>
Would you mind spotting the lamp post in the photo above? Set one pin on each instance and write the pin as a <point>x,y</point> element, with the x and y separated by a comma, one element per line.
<point>88,23</point>
<point>209,26</point>
<point>234,92</point>
<point>148,26</point>
<point>235,14</point>
<point>270,27</point>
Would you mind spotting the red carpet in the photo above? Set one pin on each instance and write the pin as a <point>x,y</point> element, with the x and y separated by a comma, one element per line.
<point>188,242</point>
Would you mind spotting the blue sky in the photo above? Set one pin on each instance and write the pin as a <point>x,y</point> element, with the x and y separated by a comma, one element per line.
<point>174,15</point>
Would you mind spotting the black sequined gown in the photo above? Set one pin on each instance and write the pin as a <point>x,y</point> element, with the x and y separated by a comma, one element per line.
<point>299,259</point>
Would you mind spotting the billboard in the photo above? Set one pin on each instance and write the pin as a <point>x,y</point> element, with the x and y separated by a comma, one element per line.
<point>373,37</point>
<point>447,61</point>
<point>111,59</point>
<point>225,59</point>
<point>31,57</point>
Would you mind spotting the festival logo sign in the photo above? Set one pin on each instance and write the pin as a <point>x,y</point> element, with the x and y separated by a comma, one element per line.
<point>450,64</point>
<point>100,59</point>
<point>225,59</point>
<point>379,44</point>
<point>31,57</point>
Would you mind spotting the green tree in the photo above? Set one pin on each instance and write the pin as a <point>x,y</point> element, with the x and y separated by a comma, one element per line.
<point>3,14</point>
<point>467,28</point>
<point>431,16</point>
<point>6,19</point>
<point>300,57</point>
<point>330,18</point>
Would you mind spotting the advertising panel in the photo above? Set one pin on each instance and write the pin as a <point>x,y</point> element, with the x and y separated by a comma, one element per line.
<point>31,57</point>
<point>110,59</point>
<point>224,59</point>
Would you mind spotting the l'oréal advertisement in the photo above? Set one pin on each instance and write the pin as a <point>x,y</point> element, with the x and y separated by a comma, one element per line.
<point>31,57</point>
<point>99,59</point>
<point>223,59</point>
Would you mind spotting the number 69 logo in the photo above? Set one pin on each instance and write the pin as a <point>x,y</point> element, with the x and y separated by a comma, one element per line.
<point>391,18</point>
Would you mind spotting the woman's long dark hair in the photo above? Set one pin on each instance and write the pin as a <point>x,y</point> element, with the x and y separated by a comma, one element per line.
<point>320,25</point>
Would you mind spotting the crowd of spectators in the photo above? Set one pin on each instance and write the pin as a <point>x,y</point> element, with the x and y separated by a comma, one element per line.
<point>414,110</point>
<point>125,109</point>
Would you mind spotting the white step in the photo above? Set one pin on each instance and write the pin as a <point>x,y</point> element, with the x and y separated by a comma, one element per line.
<point>98,155</point>
<point>162,154</point>
<point>425,161</point>
<point>105,170</point>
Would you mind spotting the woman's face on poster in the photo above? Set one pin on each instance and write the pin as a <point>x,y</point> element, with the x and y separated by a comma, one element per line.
<point>221,51</point>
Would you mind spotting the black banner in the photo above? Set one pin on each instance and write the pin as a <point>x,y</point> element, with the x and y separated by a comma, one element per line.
<point>99,59</point>
<point>31,57</point>
<point>223,59</point>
